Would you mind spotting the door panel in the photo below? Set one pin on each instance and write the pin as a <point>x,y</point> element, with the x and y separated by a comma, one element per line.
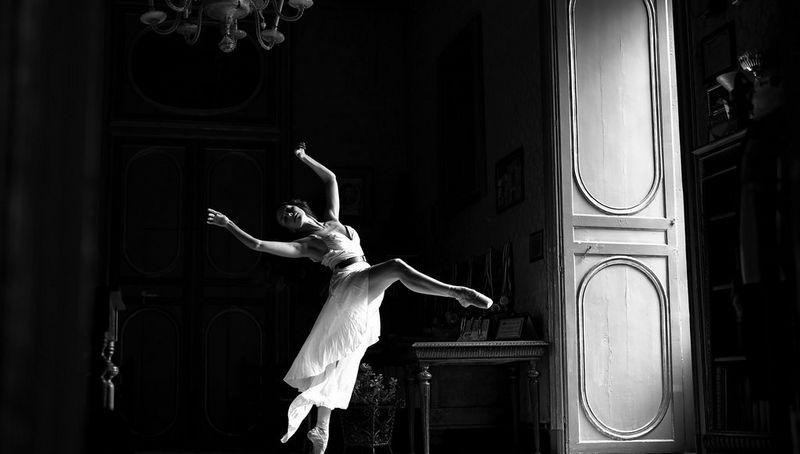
<point>152,208</point>
<point>233,363</point>
<point>150,350</point>
<point>616,149</point>
<point>623,352</point>
<point>235,185</point>
<point>627,386</point>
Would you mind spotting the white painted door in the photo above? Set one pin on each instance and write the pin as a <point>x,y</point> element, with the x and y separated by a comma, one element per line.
<point>624,331</point>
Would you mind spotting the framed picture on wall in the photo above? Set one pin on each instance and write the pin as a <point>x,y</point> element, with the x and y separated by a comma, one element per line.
<point>718,52</point>
<point>509,180</point>
<point>355,193</point>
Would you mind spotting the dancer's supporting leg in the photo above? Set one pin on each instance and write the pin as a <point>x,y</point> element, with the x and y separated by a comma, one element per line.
<point>319,434</point>
<point>382,275</point>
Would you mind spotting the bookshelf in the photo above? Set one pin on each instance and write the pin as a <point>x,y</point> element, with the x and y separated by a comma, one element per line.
<point>735,418</point>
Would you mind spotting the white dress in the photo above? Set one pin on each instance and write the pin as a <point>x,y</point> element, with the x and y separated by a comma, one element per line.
<point>326,367</point>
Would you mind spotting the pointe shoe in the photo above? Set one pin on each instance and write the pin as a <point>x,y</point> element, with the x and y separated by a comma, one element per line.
<point>469,297</point>
<point>319,439</point>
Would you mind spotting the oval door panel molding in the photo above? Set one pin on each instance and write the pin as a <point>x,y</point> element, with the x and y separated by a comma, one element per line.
<point>614,103</point>
<point>235,185</point>
<point>625,378</point>
<point>151,236</point>
<point>150,337</point>
<point>233,357</point>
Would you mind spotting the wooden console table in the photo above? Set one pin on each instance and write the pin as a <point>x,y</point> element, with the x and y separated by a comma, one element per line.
<point>428,354</point>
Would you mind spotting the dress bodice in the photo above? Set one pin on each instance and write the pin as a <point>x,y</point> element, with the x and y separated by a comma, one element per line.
<point>339,246</point>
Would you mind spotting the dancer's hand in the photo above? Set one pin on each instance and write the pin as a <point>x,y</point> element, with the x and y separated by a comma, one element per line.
<point>300,151</point>
<point>216,218</point>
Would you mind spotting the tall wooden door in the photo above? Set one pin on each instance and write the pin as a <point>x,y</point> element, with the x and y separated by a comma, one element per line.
<point>203,340</point>
<point>626,377</point>
<point>201,334</point>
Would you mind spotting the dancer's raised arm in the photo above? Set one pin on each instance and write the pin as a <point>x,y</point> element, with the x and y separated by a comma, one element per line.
<point>328,178</point>
<point>294,249</point>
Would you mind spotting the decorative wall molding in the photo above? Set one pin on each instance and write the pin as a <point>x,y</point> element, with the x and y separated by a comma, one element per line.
<point>207,332</point>
<point>666,361</point>
<point>127,389</point>
<point>257,199</point>
<point>655,100</point>
<point>126,248</point>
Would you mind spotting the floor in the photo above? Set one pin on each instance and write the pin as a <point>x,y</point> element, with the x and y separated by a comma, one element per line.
<point>437,450</point>
<point>472,441</point>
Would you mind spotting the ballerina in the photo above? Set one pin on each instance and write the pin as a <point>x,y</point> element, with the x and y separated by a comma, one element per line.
<point>325,369</point>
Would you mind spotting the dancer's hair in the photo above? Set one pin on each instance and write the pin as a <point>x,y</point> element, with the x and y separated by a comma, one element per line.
<point>302,204</point>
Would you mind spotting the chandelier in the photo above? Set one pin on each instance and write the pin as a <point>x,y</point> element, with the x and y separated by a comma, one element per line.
<point>227,13</point>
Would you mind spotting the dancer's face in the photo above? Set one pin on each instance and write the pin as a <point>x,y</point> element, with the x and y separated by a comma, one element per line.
<point>291,217</point>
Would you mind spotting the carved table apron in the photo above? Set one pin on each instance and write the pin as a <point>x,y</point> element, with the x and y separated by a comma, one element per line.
<point>429,354</point>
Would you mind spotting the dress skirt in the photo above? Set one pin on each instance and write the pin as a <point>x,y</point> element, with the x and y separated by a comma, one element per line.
<point>326,367</point>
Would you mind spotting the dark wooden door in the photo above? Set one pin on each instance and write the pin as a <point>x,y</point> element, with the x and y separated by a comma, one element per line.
<point>201,335</point>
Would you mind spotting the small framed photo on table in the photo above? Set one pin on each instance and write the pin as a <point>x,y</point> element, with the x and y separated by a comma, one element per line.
<point>510,328</point>
<point>721,121</point>
<point>473,329</point>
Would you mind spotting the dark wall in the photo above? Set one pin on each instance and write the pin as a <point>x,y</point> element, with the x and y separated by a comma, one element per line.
<point>365,98</point>
<point>349,105</point>
<point>513,111</point>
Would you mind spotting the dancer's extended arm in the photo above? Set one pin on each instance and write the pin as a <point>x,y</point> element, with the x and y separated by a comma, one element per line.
<point>328,179</point>
<point>295,249</point>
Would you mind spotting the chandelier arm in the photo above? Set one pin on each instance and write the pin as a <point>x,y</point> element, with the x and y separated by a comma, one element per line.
<point>175,23</point>
<point>259,17</point>
<point>298,14</point>
<point>261,42</point>
<point>258,34</point>
<point>177,8</point>
<point>277,9</point>
<point>263,3</point>
<point>196,35</point>
<point>278,14</point>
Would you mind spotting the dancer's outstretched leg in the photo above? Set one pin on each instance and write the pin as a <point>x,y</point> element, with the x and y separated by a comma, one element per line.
<point>319,434</point>
<point>382,275</point>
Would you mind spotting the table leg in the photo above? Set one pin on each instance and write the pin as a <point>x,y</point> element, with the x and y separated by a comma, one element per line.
<point>424,378</point>
<point>533,391</point>
<point>410,407</point>
<point>513,379</point>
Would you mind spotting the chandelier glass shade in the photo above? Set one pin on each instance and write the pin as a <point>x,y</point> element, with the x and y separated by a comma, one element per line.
<point>188,20</point>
